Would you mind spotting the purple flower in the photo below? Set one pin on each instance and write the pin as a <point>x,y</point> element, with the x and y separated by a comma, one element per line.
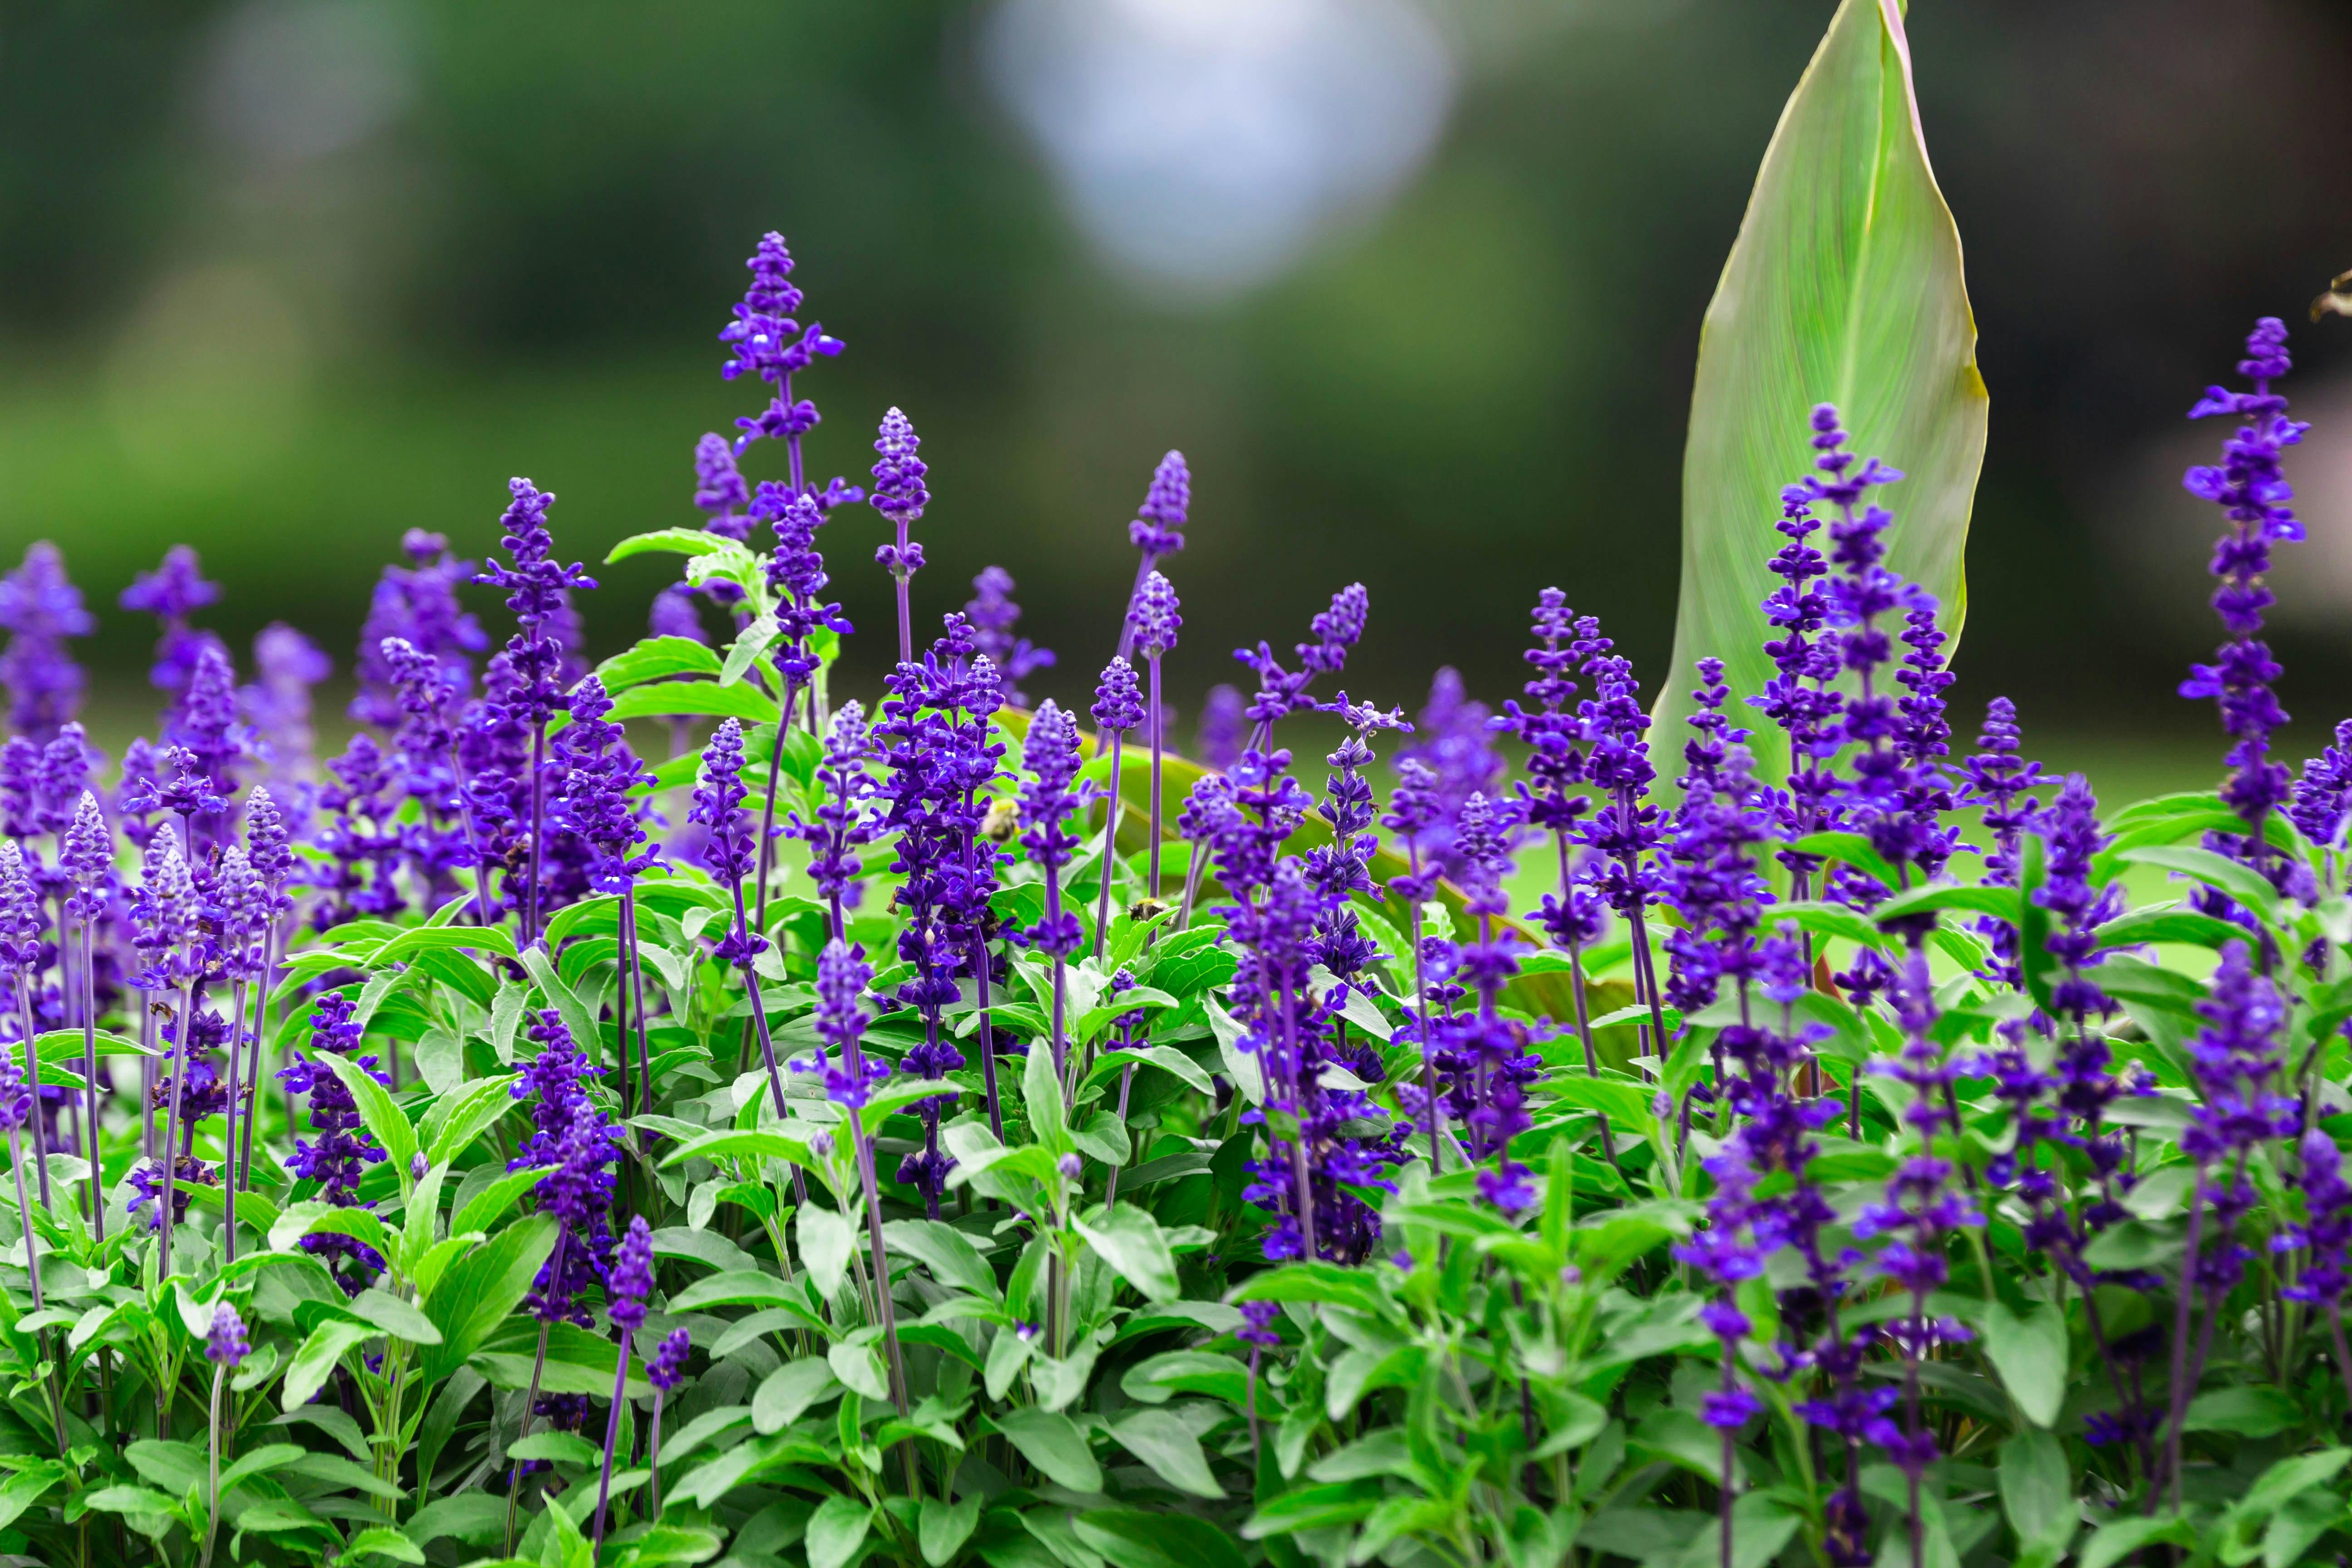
<point>1451,739</point>
<point>418,604</point>
<point>1154,617</point>
<point>718,795</point>
<point>666,1370</point>
<point>1158,526</point>
<point>341,1149</point>
<point>1283,691</point>
<point>1257,1324</point>
<point>2323,795</point>
<point>841,823</point>
<point>277,705</point>
<point>675,616</point>
<point>15,1099</point>
<point>1049,762</point>
<point>537,586</point>
<point>768,343</point>
<point>2071,830</point>
<point>719,486</point>
<point>2252,491</point>
<point>993,613</point>
<point>40,609</point>
<point>1220,727</point>
<point>2325,1232</point>
<point>898,493</point>
<point>1118,705</point>
<point>842,976</point>
<point>632,1279</point>
<point>599,772</point>
<point>89,859</point>
<point>225,1343</point>
<point>171,592</point>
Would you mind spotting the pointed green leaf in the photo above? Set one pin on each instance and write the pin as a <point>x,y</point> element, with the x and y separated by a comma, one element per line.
<point>1844,286</point>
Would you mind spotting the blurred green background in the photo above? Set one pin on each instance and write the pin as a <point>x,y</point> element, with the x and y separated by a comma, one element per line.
<point>1416,284</point>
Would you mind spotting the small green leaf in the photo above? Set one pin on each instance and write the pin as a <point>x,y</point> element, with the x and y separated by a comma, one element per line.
<point>1164,1442</point>
<point>749,644</point>
<point>1053,1444</point>
<point>481,1290</point>
<point>377,1112</point>
<point>395,1317</point>
<point>790,1390</point>
<point>316,1361</point>
<point>2111,1544</point>
<point>2029,1351</point>
<point>826,1239</point>
<point>2245,1412</point>
<point>382,1540</point>
<point>2037,1489</point>
<point>944,1527</point>
<point>1130,1538</point>
<point>1131,1242</point>
<point>687,542</point>
<point>1041,1094</point>
<point>945,1251</point>
<point>835,1530</point>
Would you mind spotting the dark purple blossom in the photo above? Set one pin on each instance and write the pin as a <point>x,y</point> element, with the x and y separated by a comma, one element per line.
<point>40,609</point>
<point>1221,717</point>
<point>992,615</point>
<point>171,592</point>
<point>225,1343</point>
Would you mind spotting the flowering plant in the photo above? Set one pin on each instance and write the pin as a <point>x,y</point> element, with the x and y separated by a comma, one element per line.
<point>926,1126</point>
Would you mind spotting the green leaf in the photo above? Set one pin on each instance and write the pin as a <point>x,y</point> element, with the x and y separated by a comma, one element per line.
<point>1325,1282</point>
<point>943,1527</point>
<point>336,1470</point>
<point>835,1530</point>
<point>1854,850</point>
<point>455,1122</point>
<point>395,1317</point>
<point>1845,285</point>
<point>481,1290</point>
<point>1130,1538</point>
<point>377,1112</point>
<point>1998,903</point>
<point>382,1540</point>
<point>1041,1093</point>
<point>1162,1441</point>
<point>788,1390</point>
<point>2037,1490</point>
<point>2029,1351</point>
<point>420,939</point>
<point>826,1238</point>
<point>1131,1242</point>
<point>489,1205</point>
<point>1761,1525</point>
<point>2111,1544</point>
<point>749,644</point>
<point>558,1448</point>
<point>1053,1444</point>
<point>313,1217</point>
<point>676,698</point>
<point>652,659</point>
<point>2186,927</point>
<point>2248,887</point>
<point>578,1021</point>
<point>739,1288</point>
<point>945,1251</point>
<point>2245,1412</point>
<point>2283,1482</point>
<point>315,1361</point>
<point>1159,1379</point>
<point>674,540</point>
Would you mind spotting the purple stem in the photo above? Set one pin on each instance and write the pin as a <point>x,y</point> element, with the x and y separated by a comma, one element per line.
<point>1159,741</point>
<point>33,1079</point>
<point>612,1439</point>
<point>89,999</point>
<point>1110,845</point>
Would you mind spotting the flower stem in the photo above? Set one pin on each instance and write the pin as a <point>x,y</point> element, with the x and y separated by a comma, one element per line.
<point>612,1438</point>
<point>1110,846</point>
<point>33,1081</point>
<point>89,999</point>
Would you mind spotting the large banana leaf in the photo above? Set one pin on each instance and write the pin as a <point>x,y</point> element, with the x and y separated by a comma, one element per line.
<point>1844,287</point>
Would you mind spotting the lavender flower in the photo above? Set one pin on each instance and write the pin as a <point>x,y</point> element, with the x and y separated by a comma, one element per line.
<point>667,1369</point>
<point>899,496</point>
<point>2251,490</point>
<point>417,604</point>
<point>1450,739</point>
<point>842,824</point>
<point>719,487</point>
<point>40,609</point>
<point>537,588</point>
<point>842,977</point>
<point>1158,529</point>
<point>768,343</point>
<point>673,615</point>
<point>341,1149</point>
<point>2323,795</point>
<point>225,1343</point>
<point>1222,715</point>
<point>171,592</point>
<point>992,615</point>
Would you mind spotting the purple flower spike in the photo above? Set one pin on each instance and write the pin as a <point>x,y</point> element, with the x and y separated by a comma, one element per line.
<point>719,487</point>
<point>632,1279</point>
<point>171,592</point>
<point>1220,727</point>
<point>842,977</point>
<point>666,1370</point>
<point>226,1344</point>
<point>1158,526</point>
<point>1119,706</point>
<point>1154,616</point>
<point>2250,488</point>
<point>40,609</point>
<point>898,493</point>
<point>992,615</point>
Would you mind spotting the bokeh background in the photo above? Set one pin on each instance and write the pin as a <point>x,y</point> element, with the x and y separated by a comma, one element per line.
<point>1417,285</point>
